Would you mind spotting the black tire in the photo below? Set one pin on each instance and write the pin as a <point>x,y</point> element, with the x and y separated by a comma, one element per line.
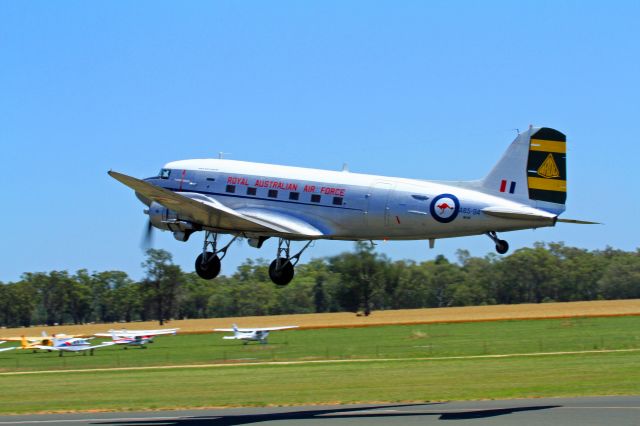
<point>502,246</point>
<point>284,275</point>
<point>209,270</point>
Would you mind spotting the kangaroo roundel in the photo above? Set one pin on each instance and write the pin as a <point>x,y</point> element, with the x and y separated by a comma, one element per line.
<point>444,208</point>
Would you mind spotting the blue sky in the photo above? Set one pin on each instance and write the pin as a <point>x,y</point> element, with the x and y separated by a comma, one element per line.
<point>418,89</point>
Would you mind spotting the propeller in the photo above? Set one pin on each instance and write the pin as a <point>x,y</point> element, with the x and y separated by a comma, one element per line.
<point>147,237</point>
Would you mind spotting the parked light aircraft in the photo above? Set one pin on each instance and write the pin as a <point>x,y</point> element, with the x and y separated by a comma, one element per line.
<point>136,337</point>
<point>526,189</point>
<point>28,342</point>
<point>74,344</point>
<point>252,334</point>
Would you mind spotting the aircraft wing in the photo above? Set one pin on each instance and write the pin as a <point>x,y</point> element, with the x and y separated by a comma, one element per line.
<point>7,349</point>
<point>74,348</point>
<point>19,339</point>
<point>44,347</point>
<point>249,330</point>
<point>138,333</point>
<point>101,345</point>
<point>210,212</point>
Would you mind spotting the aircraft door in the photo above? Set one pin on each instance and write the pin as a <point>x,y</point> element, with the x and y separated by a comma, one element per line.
<point>378,210</point>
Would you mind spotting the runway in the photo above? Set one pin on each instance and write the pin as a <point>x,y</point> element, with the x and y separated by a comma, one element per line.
<point>617,410</point>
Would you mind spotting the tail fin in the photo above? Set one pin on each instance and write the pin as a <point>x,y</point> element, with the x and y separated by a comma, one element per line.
<point>533,170</point>
<point>235,329</point>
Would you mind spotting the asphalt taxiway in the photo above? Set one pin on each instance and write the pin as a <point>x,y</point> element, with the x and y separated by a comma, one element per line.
<point>618,410</point>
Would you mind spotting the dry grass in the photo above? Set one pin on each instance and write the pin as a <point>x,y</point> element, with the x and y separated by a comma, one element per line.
<point>604,308</point>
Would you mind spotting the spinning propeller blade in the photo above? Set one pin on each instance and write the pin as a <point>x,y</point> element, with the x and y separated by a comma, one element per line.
<point>147,237</point>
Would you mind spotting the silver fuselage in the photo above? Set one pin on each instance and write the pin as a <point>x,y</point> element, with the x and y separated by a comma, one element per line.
<point>345,205</point>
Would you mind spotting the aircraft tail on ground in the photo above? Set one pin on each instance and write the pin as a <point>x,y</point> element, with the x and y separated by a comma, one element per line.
<point>533,170</point>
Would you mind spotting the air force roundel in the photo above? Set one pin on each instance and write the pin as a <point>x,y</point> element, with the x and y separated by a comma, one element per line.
<point>444,208</point>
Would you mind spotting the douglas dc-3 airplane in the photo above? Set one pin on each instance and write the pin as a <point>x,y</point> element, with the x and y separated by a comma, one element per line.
<point>252,334</point>
<point>526,189</point>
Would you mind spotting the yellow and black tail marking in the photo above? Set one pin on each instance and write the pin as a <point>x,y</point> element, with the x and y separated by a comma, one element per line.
<point>547,166</point>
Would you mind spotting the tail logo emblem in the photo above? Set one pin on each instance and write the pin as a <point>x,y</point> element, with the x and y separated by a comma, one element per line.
<point>549,169</point>
<point>444,208</point>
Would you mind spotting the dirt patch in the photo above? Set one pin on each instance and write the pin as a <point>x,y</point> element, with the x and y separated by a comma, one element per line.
<point>606,308</point>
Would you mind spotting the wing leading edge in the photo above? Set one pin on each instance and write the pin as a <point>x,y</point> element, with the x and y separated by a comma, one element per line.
<point>207,211</point>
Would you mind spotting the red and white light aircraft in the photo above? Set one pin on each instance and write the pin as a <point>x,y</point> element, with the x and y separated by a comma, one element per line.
<point>136,337</point>
<point>526,189</point>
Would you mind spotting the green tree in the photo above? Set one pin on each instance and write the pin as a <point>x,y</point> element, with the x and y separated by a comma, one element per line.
<point>162,282</point>
<point>527,276</point>
<point>50,293</point>
<point>361,278</point>
<point>621,280</point>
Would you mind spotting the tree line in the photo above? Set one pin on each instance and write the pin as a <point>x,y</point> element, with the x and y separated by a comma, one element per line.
<point>358,281</point>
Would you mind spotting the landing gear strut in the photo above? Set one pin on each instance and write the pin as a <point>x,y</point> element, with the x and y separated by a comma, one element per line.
<point>281,270</point>
<point>208,262</point>
<point>501,245</point>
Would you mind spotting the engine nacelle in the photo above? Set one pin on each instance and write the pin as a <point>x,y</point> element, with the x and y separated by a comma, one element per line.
<point>169,220</point>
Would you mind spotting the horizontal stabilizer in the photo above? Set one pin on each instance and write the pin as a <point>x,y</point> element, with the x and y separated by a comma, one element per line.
<point>523,214</point>
<point>578,222</point>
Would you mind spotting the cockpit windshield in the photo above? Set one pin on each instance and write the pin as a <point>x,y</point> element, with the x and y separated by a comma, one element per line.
<point>165,173</point>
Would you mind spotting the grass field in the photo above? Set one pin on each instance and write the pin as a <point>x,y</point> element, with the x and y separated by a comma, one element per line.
<point>600,308</point>
<point>405,341</point>
<point>397,381</point>
<point>381,378</point>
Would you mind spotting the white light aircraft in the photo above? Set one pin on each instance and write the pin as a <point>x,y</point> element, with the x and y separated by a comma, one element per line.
<point>526,189</point>
<point>252,334</point>
<point>74,344</point>
<point>136,337</point>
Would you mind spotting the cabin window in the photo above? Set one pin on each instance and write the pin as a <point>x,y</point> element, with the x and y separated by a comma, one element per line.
<point>164,173</point>
<point>231,189</point>
<point>420,197</point>
<point>251,191</point>
<point>294,196</point>
<point>337,201</point>
<point>273,193</point>
<point>315,198</point>
<point>211,179</point>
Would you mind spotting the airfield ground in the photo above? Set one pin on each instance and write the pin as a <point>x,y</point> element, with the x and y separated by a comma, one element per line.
<point>572,354</point>
<point>603,308</point>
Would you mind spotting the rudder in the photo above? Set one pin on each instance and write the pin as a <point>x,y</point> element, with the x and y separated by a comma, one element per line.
<point>547,166</point>
<point>533,170</point>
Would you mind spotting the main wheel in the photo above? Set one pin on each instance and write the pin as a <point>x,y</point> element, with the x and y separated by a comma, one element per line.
<point>282,276</point>
<point>502,246</point>
<point>210,269</point>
